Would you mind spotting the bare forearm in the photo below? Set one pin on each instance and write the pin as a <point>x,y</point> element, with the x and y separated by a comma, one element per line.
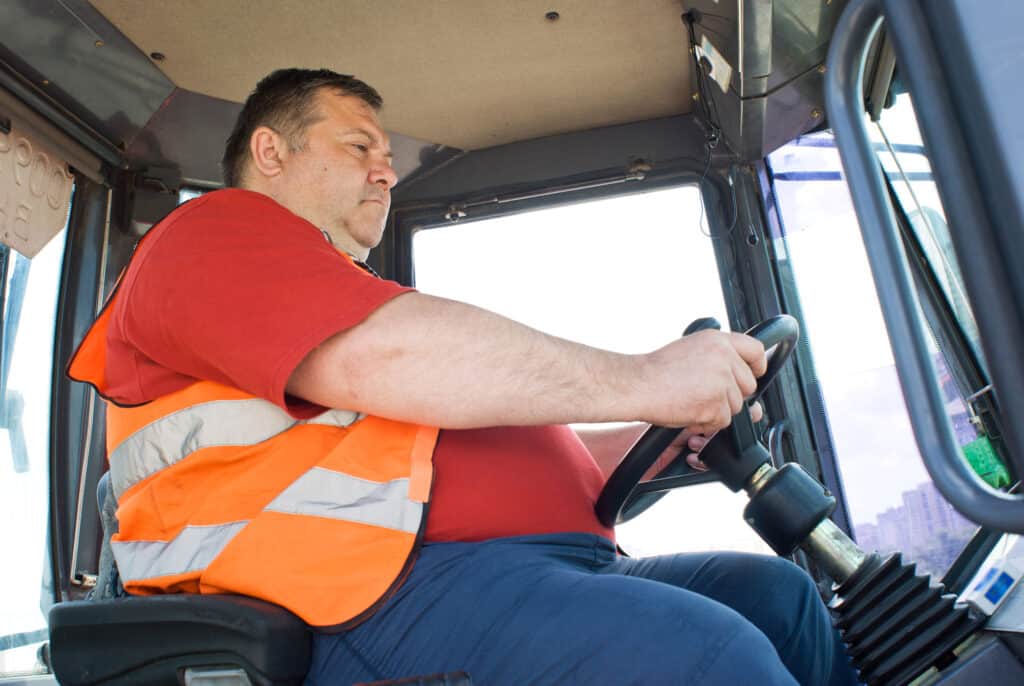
<point>435,361</point>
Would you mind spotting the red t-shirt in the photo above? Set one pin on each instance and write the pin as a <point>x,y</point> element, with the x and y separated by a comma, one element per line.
<point>234,288</point>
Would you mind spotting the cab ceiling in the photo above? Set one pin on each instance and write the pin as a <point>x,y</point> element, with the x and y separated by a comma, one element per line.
<point>462,73</point>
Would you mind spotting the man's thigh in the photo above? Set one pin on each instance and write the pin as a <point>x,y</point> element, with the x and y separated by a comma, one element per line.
<point>536,611</point>
<point>778,597</point>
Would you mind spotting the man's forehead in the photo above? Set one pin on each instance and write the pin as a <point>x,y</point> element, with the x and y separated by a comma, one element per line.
<point>353,112</point>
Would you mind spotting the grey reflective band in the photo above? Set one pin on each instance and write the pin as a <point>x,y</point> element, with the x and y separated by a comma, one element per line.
<point>319,493</point>
<point>340,418</point>
<point>325,493</point>
<point>191,550</point>
<point>172,438</point>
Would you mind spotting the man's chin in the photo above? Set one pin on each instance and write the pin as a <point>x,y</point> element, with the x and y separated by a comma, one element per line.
<point>369,238</point>
<point>356,240</point>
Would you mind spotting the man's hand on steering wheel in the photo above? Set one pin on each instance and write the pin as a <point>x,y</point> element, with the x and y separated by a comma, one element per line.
<point>735,360</point>
<point>701,380</point>
<point>692,443</point>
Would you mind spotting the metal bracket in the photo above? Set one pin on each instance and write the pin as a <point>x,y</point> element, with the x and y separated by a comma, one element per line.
<point>637,170</point>
<point>84,580</point>
<point>972,411</point>
<point>216,676</point>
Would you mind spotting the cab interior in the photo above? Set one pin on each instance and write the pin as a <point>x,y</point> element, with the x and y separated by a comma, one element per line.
<point>718,114</point>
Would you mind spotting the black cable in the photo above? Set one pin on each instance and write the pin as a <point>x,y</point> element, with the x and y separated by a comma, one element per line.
<point>702,67</point>
<point>709,111</point>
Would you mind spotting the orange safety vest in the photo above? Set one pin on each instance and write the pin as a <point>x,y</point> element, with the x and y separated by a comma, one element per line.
<point>220,491</point>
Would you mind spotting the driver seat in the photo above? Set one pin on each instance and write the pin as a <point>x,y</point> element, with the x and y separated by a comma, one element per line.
<point>195,640</point>
<point>177,639</point>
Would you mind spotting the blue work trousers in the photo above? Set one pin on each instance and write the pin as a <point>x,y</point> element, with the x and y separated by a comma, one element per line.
<point>566,609</point>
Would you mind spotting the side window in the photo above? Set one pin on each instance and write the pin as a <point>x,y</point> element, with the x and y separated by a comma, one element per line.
<point>29,290</point>
<point>186,194</point>
<point>892,501</point>
<point>627,274</point>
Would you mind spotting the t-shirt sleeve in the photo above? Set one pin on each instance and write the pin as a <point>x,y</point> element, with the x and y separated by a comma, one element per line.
<point>240,293</point>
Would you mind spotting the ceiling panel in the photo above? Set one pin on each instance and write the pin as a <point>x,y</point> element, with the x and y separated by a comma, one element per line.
<point>464,73</point>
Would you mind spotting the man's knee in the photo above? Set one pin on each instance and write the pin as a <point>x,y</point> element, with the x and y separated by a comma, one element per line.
<point>786,600</point>
<point>745,656</point>
<point>703,645</point>
<point>793,615</point>
<point>749,657</point>
<point>747,582</point>
<point>788,583</point>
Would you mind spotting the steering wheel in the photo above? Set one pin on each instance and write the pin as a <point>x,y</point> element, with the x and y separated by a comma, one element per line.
<point>624,495</point>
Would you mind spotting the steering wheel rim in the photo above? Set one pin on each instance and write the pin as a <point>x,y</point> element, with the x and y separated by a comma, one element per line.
<point>616,503</point>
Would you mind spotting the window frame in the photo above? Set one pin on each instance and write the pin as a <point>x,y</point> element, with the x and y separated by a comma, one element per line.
<point>737,196</point>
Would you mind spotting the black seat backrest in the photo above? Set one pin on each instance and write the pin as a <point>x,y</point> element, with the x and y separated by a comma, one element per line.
<point>108,581</point>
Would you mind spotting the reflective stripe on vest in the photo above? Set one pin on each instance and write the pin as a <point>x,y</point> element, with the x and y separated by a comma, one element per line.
<point>325,493</point>
<point>332,537</point>
<point>191,551</point>
<point>318,492</point>
<point>173,437</point>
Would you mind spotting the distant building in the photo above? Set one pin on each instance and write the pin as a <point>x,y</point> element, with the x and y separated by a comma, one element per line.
<point>925,528</point>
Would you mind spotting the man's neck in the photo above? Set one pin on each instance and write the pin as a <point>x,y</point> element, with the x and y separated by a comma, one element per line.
<point>338,239</point>
<point>348,246</point>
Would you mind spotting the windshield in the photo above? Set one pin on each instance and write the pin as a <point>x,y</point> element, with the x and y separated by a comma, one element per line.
<point>903,157</point>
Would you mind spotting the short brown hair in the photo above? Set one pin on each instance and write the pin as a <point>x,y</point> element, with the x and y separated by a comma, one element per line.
<point>285,101</point>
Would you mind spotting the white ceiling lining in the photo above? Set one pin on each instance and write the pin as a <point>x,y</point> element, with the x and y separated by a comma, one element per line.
<point>464,73</point>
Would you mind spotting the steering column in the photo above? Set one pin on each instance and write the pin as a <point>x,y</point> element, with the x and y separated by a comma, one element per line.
<point>896,623</point>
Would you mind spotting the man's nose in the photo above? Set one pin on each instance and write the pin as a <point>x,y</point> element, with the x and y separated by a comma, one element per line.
<point>383,174</point>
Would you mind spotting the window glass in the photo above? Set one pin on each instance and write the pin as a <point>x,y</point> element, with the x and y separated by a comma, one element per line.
<point>891,499</point>
<point>627,274</point>
<point>903,157</point>
<point>29,315</point>
<point>186,194</point>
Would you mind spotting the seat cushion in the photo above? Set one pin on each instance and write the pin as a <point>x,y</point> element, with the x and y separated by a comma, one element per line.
<point>150,639</point>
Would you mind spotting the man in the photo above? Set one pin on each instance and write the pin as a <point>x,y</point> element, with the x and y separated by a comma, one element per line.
<point>246,314</point>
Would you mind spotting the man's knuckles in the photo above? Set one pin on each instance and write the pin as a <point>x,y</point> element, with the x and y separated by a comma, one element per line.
<point>717,416</point>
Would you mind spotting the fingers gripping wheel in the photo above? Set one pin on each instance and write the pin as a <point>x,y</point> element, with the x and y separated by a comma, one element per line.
<point>625,495</point>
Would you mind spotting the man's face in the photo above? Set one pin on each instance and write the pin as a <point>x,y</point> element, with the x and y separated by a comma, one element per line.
<point>341,179</point>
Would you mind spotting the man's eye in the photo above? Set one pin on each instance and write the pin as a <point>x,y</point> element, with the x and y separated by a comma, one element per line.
<point>361,147</point>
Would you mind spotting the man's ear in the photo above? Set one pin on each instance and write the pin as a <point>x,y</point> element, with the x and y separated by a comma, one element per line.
<point>268,151</point>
